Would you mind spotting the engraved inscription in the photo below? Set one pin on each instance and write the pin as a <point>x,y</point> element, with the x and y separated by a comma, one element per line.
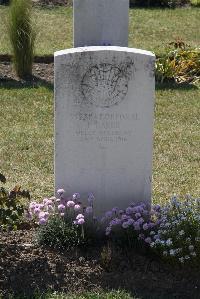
<point>104,85</point>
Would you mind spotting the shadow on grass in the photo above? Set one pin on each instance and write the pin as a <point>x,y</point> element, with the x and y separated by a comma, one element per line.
<point>33,82</point>
<point>175,86</point>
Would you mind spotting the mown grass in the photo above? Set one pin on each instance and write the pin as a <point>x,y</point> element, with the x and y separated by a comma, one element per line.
<point>26,134</point>
<point>149,29</point>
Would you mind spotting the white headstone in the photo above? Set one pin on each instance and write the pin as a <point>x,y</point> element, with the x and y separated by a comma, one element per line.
<point>104,103</point>
<point>101,22</point>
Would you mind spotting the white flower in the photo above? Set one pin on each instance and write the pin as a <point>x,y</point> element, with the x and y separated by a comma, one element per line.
<point>164,253</point>
<point>172,252</point>
<point>197,239</point>
<point>157,241</point>
<point>191,248</point>
<point>152,244</point>
<point>187,257</point>
<point>169,242</point>
<point>193,253</point>
<point>167,224</point>
<point>181,233</point>
<point>181,259</point>
<point>152,233</point>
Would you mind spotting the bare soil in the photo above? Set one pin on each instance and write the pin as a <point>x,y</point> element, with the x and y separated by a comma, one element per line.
<point>43,74</point>
<point>25,268</point>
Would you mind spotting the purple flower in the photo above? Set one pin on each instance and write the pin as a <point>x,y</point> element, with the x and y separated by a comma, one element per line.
<point>129,211</point>
<point>41,214</point>
<point>141,236</point>
<point>61,208</point>
<point>91,198</point>
<point>108,230</point>
<point>32,205</point>
<point>42,221</point>
<point>136,226</point>
<point>125,217</point>
<point>88,210</point>
<point>60,191</point>
<point>115,221</point>
<point>145,226</point>
<point>37,211</point>
<point>77,207</point>
<point>125,224</point>
<point>50,208</point>
<point>45,200</point>
<point>80,221</point>
<point>140,220</point>
<point>70,204</point>
<point>137,215</point>
<point>76,196</point>
<point>115,210</point>
<point>79,216</point>
<point>130,221</point>
<point>148,240</point>
<point>108,214</point>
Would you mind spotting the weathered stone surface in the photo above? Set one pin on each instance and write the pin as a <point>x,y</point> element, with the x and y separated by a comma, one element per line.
<point>101,22</point>
<point>104,99</point>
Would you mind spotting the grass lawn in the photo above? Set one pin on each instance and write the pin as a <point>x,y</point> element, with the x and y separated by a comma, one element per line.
<point>26,134</point>
<point>26,114</point>
<point>149,29</point>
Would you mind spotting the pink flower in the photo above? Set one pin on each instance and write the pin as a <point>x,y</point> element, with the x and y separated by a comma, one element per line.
<point>77,207</point>
<point>79,216</point>
<point>49,202</point>
<point>37,211</point>
<point>76,196</point>
<point>60,191</point>
<point>61,208</point>
<point>80,221</point>
<point>32,205</point>
<point>41,214</point>
<point>70,204</point>
<point>45,200</point>
<point>42,221</point>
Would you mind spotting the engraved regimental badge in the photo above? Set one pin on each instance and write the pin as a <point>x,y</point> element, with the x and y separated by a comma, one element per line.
<point>104,85</point>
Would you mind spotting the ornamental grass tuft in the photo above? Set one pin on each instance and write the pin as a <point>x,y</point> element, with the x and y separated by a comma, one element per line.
<point>22,37</point>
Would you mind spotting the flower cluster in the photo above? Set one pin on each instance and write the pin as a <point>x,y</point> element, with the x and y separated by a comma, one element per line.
<point>178,235</point>
<point>68,208</point>
<point>137,219</point>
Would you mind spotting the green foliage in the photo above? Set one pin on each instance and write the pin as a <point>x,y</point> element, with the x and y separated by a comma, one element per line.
<point>58,233</point>
<point>160,3</point>
<point>11,206</point>
<point>181,65</point>
<point>22,37</point>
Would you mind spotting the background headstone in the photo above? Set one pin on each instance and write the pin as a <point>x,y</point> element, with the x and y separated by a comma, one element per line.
<point>101,22</point>
<point>104,102</point>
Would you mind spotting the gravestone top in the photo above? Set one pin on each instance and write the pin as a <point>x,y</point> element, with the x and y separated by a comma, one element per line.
<point>103,48</point>
<point>101,22</point>
<point>104,104</point>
